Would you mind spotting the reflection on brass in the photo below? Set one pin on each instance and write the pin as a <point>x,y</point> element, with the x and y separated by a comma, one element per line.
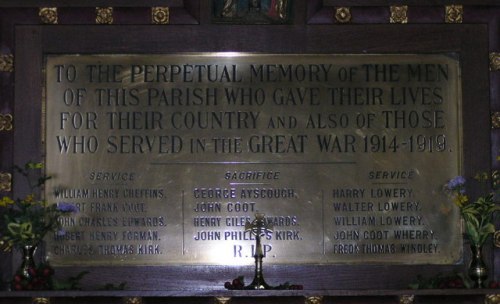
<point>495,120</point>
<point>454,13</point>
<point>6,122</point>
<point>496,238</point>
<point>495,61</point>
<point>222,300</point>
<point>40,301</point>
<point>314,300</point>
<point>6,63</point>
<point>492,299</point>
<point>343,14</point>
<point>43,111</point>
<point>48,15</point>
<point>167,169</point>
<point>160,15</point>
<point>399,14</point>
<point>104,15</point>
<point>132,300</point>
<point>5,182</point>
<point>406,299</point>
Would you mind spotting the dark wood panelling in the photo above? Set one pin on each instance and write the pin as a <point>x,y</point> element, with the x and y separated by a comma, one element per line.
<point>91,3</point>
<point>313,29</point>
<point>250,297</point>
<point>470,42</point>
<point>135,3</point>
<point>406,2</point>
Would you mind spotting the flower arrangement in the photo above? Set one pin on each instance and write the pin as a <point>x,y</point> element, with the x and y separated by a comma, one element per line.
<point>478,214</point>
<point>26,221</point>
<point>39,278</point>
<point>440,281</point>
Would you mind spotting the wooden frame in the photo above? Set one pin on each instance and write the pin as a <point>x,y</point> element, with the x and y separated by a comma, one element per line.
<point>470,42</point>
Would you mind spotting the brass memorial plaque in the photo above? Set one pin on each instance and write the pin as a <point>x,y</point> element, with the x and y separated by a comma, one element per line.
<point>168,156</point>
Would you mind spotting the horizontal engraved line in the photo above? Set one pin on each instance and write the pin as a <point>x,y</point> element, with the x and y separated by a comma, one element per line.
<point>250,163</point>
<point>391,183</point>
<point>240,184</point>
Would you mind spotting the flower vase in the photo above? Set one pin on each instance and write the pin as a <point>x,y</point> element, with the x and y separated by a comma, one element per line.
<point>478,272</point>
<point>28,265</point>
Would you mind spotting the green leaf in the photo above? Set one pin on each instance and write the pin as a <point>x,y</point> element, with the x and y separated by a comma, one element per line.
<point>33,165</point>
<point>72,283</point>
<point>472,232</point>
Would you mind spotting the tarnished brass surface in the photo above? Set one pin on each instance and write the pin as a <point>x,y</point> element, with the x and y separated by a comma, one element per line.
<point>167,157</point>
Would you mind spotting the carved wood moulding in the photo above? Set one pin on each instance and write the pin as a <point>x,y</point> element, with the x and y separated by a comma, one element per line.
<point>492,299</point>
<point>104,15</point>
<point>48,15</point>
<point>314,300</point>
<point>6,122</point>
<point>407,299</point>
<point>399,14</point>
<point>496,238</point>
<point>132,300</point>
<point>495,61</point>
<point>40,300</point>
<point>6,63</point>
<point>495,120</point>
<point>160,15</point>
<point>5,182</point>
<point>343,15</point>
<point>454,13</point>
<point>222,300</point>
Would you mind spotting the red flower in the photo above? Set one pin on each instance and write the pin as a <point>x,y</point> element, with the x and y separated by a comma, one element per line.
<point>47,272</point>
<point>238,284</point>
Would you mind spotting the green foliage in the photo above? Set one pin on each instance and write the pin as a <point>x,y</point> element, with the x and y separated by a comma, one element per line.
<point>440,281</point>
<point>111,286</point>
<point>71,283</point>
<point>479,218</point>
<point>479,214</point>
<point>27,220</point>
